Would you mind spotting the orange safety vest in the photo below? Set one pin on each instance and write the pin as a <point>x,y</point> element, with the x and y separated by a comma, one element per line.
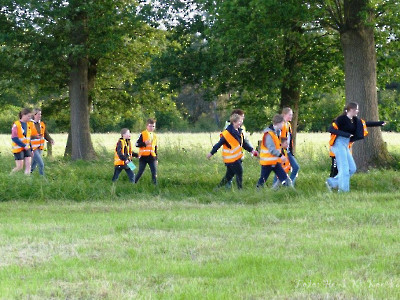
<point>286,165</point>
<point>126,149</point>
<point>334,136</point>
<point>150,149</point>
<point>267,158</point>
<point>234,153</point>
<point>286,131</point>
<point>40,142</point>
<point>25,138</point>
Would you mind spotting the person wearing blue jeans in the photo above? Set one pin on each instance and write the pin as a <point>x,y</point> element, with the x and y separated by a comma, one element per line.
<point>39,137</point>
<point>345,165</point>
<point>286,132</point>
<point>345,129</point>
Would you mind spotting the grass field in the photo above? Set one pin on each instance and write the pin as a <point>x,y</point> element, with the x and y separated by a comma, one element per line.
<point>74,236</point>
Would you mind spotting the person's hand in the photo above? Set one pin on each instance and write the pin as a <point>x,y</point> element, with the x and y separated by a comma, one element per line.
<point>127,161</point>
<point>254,152</point>
<point>283,158</point>
<point>52,142</point>
<point>148,143</point>
<point>209,155</point>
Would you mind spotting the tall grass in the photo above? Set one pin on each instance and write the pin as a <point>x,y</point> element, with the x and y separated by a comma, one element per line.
<point>183,172</point>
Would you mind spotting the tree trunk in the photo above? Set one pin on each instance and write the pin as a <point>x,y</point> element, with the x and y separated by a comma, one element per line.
<point>358,45</point>
<point>82,147</point>
<point>291,85</point>
<point>81,142</point>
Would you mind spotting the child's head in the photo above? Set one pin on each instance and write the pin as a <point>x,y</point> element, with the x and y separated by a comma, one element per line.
<point>284,142</point>
<point>277,121</point>
<point>125,133</point>
<point>236,120</point>
<point>287,114</point>
<point>25,114</point>
<point>151,125</point>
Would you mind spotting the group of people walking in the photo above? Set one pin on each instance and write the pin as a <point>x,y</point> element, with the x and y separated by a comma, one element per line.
<point>275,149</point>
<point>28,136</point>
<point>273,156</point>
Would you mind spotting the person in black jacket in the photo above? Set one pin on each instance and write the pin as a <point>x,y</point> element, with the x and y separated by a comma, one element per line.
<point>346,129</point>
<point>232,141</point>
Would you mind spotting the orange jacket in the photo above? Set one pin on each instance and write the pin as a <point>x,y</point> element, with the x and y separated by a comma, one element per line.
<point>25,138</point>
<point>40,141</point>
<point>266,157</point>
<point>150,149</point>
<point>126,149</point>
<point>234,153</point>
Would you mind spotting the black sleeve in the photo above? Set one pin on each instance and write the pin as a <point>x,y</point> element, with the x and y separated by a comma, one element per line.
<point>217,145</point>
<point>374,124</point>
<point>139,142</point>
<point>332,130</point>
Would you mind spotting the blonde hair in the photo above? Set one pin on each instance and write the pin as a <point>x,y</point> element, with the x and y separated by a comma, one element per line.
<point>234,118</point>
<point>286,110</point>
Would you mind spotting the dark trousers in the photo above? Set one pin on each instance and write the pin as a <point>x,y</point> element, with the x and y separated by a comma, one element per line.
<point>334,170</point>
<point>233,169</point>
<point>266,170</point>
<point>118,170</point>
<point>147,160</point>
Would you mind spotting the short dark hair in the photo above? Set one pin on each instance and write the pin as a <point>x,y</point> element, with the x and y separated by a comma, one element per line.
<point>124,130</point>
<point>150,121</point>
<point>238,112</point>
<point>277,119</point>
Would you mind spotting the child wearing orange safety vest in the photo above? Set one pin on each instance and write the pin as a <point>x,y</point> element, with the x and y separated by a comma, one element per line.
<point>233,143</point>
<point>271,156</point>
<point>123,156</point>
<point>21,132</point>
<point>39,137</point>
<point>147,143</point>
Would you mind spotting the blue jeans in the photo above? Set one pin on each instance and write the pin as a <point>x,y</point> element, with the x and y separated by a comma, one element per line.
<point>266,170</point>
<point>295,168</point>
<point>37,161</point>
<point>345,165</point>
<point>294,165</point>
<point>118,170</point>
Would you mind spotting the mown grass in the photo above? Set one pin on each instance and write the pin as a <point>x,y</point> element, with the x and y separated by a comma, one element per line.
<point>74,236</point>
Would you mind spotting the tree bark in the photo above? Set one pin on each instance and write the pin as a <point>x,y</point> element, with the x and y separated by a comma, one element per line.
<point>358,44</point>
<point>291,85</point>
<point>81,142</point>
<point>81,146</point>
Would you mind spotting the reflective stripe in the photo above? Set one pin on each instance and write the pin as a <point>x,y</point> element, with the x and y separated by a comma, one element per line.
<point>234,153</point>
<point>266,157</point>
<point>231,151</point>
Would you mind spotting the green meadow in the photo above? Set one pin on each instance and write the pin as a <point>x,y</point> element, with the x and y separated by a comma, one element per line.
<point>74,235</point>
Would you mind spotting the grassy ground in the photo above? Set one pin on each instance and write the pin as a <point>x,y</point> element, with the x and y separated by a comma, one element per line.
<point>74,236</point>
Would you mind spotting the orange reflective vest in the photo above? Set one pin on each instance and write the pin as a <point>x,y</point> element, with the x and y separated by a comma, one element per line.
<point>286,132</point>
<point>150,149</point>
<point>233,153</point>
<point>126,148</point>
<point>40,141</point>
<point>267,158</point>
<point>286,165</point>
<point>334,136</point>
<point>25,137</point>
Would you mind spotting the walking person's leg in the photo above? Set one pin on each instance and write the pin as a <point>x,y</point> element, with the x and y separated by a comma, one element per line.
<point>142,167</point>
<point>153,169</point>
<point>295,167</point>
